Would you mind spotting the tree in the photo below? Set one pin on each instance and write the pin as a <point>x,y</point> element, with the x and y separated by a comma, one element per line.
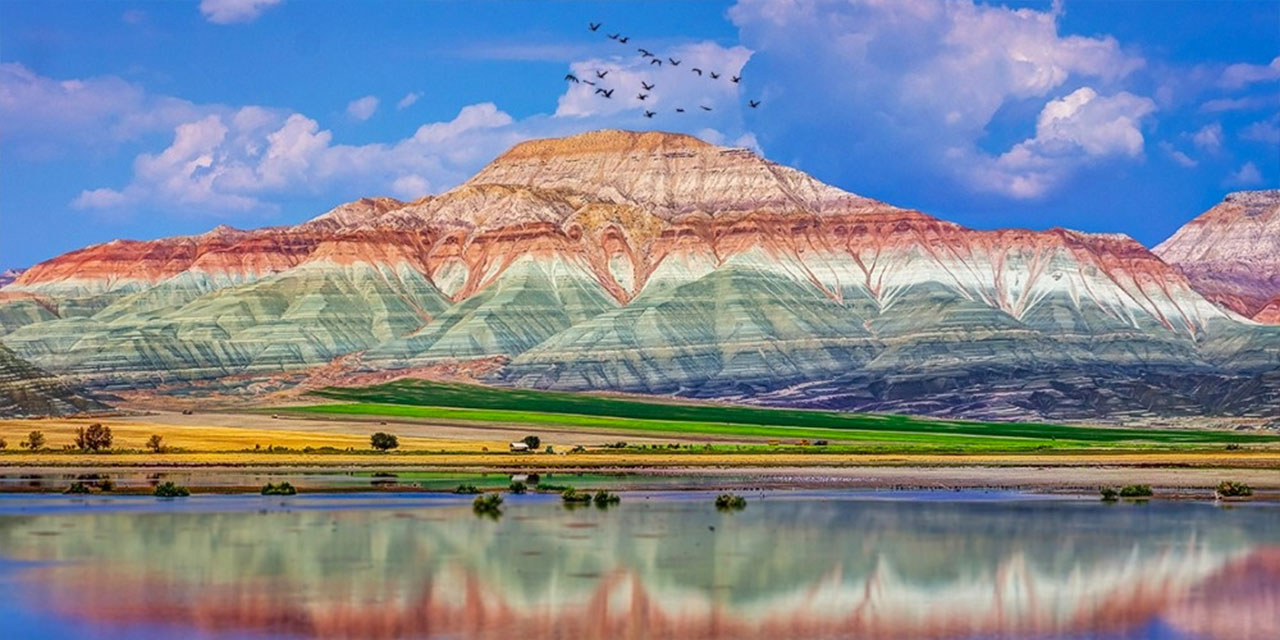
<point>3,444</point>
<point>34,441</point>
<point>95,438</point>
<point>156,443</point>
<point>384,441</point>
<point>533,442</point>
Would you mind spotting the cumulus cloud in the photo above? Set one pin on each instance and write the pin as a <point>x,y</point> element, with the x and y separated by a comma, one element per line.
<point>920,82</point>
<point>1208,138</point>
<point>362,108</point>
<point>1240,75</point>
<point>1263,131</point>
<point>408,100</point>
<point>1177,156</point>
<point>1076,129</point>
<point>233,11</point>
<point>1246,176</point>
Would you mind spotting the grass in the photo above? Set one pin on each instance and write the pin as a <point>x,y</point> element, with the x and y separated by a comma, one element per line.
<point>474,403</point>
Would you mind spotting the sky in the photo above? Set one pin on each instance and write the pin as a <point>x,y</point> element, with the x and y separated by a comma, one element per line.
<point>126,119</point>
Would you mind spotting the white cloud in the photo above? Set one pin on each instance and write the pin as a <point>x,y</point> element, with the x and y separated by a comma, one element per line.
<point>1177,156</point>
<point>1263,131</point>
<point>1079,128</point>
<point>408,100</point>
<point>1208,138</point>
<point>410,187</point>
<point>363,108</point>
<point>1238,76</point>
<point>1247,103</point>
<point>232,11</point>
<point>1247,175</point>
<point>920,82</point>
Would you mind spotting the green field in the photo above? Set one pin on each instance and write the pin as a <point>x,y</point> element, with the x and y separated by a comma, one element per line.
<point>474,403</point>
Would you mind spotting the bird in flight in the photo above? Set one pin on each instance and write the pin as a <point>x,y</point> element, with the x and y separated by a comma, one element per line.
<point>647,86</point>
<point>735,79</point>
<point>714,75</point>
<point>607,94</point>
<point>679,110</point>
<point>696,70</point>
<point>657,61</point>
<point>753,103</point>
<point>624,39</point>
<point>614,36</point>
<point>594,26</point>
<point>589,82</point>
<point>648,114</point>
<point>571,78</point>
<point>601,74</point>
<point>705,108</point>
<point>641,96</point>
<point>644,53</point>
<point>674,62</point>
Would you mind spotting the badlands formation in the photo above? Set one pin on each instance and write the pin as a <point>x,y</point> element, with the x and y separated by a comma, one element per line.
<point>658,263</point>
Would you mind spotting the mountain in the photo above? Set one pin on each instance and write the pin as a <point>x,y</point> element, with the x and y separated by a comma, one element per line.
<point>1231,254</point>
<point>9,275</point>
<point>28,391</point>
<point>659,263</point>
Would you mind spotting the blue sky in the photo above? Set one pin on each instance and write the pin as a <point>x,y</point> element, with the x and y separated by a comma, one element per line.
<point>147,119</point>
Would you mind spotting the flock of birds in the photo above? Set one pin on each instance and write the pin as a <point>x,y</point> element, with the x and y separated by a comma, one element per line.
<point>646,87</point>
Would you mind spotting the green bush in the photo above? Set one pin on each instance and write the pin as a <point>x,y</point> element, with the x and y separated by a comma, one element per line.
<point>171,490</point>
<point>76,488</point>
<point>1109,494</point>
<point>1233,489</point>
<point>384,441</point>
<point>730,502</point>
<point>466,489</point>
<point>604,498</point>
<point>489,505</point>
<point>533,441</point>
<point>552,488</point>
<point>282,489</point>
<point>1136,491</point>
<point>517,487</point>
<point>571,496</point>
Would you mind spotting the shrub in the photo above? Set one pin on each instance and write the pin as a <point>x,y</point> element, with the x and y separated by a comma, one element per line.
<point>384,441</point>
<point>35,441</point>
<point>171,490</point>
<point>1136,491</point>
<point>76,488</point>
<point>571,496</point>
<point>489,505</point>
<point>156,443</point>
<point>1109,494</point>
<point>604,498</point>
<point>282,489</point>
<point>3,444</point>
<point>730,502</point>
<point>550,449</point>
<point>1233,489</point>
<point>533,441</point>
<point>517,487</point>
<point>106,484</point>
<point>466,489</point>
<point>94,438</point>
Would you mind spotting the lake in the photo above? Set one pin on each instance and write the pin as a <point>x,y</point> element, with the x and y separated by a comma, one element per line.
<point>792,564</point>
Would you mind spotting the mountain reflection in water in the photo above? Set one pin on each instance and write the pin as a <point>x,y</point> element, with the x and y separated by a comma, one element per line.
<point>814,566</point>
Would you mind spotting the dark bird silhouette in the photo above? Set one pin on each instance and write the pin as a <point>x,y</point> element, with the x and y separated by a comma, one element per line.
<point>614,36</point>
<point>679,110</point>
<point>571,78</point>
<point>753,103</point>
<point>644,53</point>
<point>624,39</point>
<point>594,26</point>
<point>641,96</point>
<point>647,86</point>
<point>705,108</point>
<point>674,62</point>
<point>648,114</point>
<point>607,94</point>
<point>589,82</point>
<point>657,61</point>
<point>696,70</point>
<point>714,75</point>
<point>735,79</point>
<point>601,74</point>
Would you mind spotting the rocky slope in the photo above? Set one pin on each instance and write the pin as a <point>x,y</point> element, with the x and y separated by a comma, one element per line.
<point>28,391</point>
<point>659,263</point>
<point>1231,253</point>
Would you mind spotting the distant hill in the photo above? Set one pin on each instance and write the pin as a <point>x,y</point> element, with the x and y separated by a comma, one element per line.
<point>25,390</point>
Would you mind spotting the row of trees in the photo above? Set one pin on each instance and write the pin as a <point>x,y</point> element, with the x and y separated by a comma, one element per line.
<point>95,437</point>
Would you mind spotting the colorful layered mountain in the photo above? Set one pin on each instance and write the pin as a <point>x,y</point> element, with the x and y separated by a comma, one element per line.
<point>658,263</point>
<point>1231,254</point>
<point>27,391</point>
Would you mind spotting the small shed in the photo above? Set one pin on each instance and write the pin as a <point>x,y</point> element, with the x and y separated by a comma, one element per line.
<point>519,447</point>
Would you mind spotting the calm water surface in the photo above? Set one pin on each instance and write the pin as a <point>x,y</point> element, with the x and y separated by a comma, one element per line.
<point>660,565</point>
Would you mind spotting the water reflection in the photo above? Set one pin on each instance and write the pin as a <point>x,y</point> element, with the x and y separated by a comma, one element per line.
<point>813,567</point>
